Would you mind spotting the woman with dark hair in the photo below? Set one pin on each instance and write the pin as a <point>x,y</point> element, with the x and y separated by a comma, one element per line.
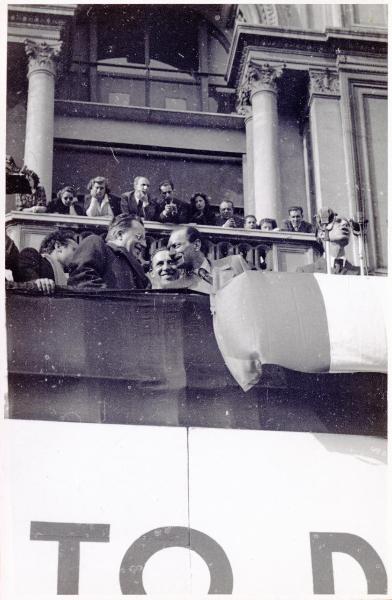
<point>201,212</point>
<point>65,203</point>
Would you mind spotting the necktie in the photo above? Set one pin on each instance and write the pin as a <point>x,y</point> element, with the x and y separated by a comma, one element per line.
<point>338,266</point>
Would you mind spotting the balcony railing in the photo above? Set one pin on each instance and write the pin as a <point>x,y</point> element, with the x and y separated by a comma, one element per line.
<point>274,251</point>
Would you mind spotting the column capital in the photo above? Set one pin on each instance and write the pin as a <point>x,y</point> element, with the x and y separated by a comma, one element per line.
<point>262,77</point>
<point>324,82</point>
<point>42,56</point>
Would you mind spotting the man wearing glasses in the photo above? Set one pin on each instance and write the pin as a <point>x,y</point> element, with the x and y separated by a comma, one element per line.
<point>114,263</point>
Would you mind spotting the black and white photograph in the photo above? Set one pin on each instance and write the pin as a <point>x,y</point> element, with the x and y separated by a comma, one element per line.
<point>195,399</point>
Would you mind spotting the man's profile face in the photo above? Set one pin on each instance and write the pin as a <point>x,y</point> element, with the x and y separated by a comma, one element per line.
<point>226,210</point>
<point>166,192</point>
<point>295,217</point>
<point>340,231</point>
<point>133,239</point>
<point>98,190</point>
<point>65,253</point>
<point>163,268</point>
<point>181,250</point>
<point>142,185</point>
<point>250,223</point>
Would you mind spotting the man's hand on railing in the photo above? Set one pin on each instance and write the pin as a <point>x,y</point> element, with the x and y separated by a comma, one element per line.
<point>45,285</point>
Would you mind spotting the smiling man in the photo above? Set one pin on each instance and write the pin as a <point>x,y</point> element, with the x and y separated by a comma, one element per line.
<point>163,272</point>
<point>114,263</point>
<point>339,237</point>
<point>296,221</point>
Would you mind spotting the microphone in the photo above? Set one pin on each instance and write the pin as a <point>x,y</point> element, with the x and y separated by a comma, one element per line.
<point>359,223</point>
<point>324,217</point>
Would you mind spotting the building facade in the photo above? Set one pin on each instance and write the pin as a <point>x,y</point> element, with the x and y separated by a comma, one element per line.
<point>266,105</point>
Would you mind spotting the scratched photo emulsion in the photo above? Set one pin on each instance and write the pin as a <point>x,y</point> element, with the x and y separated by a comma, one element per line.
<point>195,270</point>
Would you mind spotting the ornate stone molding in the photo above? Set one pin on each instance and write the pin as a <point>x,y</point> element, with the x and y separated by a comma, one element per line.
<point>42,56</point>
<point>324,82</point>
<point>260,78</point>
<point>243,105</point>
<point>267,14</point>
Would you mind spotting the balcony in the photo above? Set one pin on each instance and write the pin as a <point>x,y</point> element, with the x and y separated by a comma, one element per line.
<point>274,251</point>
<point>150,358</point>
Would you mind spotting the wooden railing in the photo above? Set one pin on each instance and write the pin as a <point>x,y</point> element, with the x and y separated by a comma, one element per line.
<point>274,251</point>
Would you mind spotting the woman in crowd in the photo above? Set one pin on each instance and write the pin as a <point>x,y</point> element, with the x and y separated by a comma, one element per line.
<point>201,212</point>
<point>65,203</point>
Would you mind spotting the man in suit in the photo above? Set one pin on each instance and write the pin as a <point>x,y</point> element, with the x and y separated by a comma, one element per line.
<point>226,217</point>
<point>339,236</point>
<point>138,200</point>
<point>171,209</point>
<point>185,248</point>
<point>100,202</point>
<point>47,267</point>
<point>114,263</point>
<point>296,222</point>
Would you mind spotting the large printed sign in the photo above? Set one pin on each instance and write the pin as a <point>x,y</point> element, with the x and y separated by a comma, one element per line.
<point>103,511</point>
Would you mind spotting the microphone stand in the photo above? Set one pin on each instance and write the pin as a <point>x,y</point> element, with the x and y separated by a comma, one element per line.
<point>327,250</point>
<point>359,230</point>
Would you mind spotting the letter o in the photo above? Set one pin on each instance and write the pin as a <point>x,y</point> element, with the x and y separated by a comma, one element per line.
<point>137,555</point>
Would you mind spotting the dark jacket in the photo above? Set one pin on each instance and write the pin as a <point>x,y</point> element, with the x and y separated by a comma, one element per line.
<point>304,227</point>
<point>182,215</point>
<point>31,266</point>
<point>57,206</point>
<point>100,265</point>
<point>239,221</point>
<point>11,256</point>
<point>205,218</point>
<point>114,202</point>
<point>320,266</point>
<point>129,205</point>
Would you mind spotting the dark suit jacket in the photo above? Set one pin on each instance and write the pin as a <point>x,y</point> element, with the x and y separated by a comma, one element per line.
<point>130,205</point>
<point>31,266</point>
<point>97,264</point>
<point>239,221</point>
<point>114,202</point>
<point>11,256</point>
<point>320,266</point>
<point>56,206</point>
<point>304,227</point>
<point>182,215</point>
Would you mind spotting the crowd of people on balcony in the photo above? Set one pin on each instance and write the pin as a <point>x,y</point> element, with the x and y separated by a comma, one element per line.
<point>119,260</point>
<point>166,207</point>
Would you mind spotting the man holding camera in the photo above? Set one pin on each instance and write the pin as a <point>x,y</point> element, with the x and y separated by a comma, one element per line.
<point>171,209</point>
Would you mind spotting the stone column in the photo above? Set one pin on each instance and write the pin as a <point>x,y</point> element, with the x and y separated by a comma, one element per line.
<point>40,110</point>
<point>261,80</point>
<point>329,163</point>
<point>244,108</point>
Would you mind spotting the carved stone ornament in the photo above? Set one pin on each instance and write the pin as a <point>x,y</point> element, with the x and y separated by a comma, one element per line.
<point>42,55</point>
<point>243,105</point>
<point>263,77</point>
<point>267,14</point>
<point>324,82</point>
